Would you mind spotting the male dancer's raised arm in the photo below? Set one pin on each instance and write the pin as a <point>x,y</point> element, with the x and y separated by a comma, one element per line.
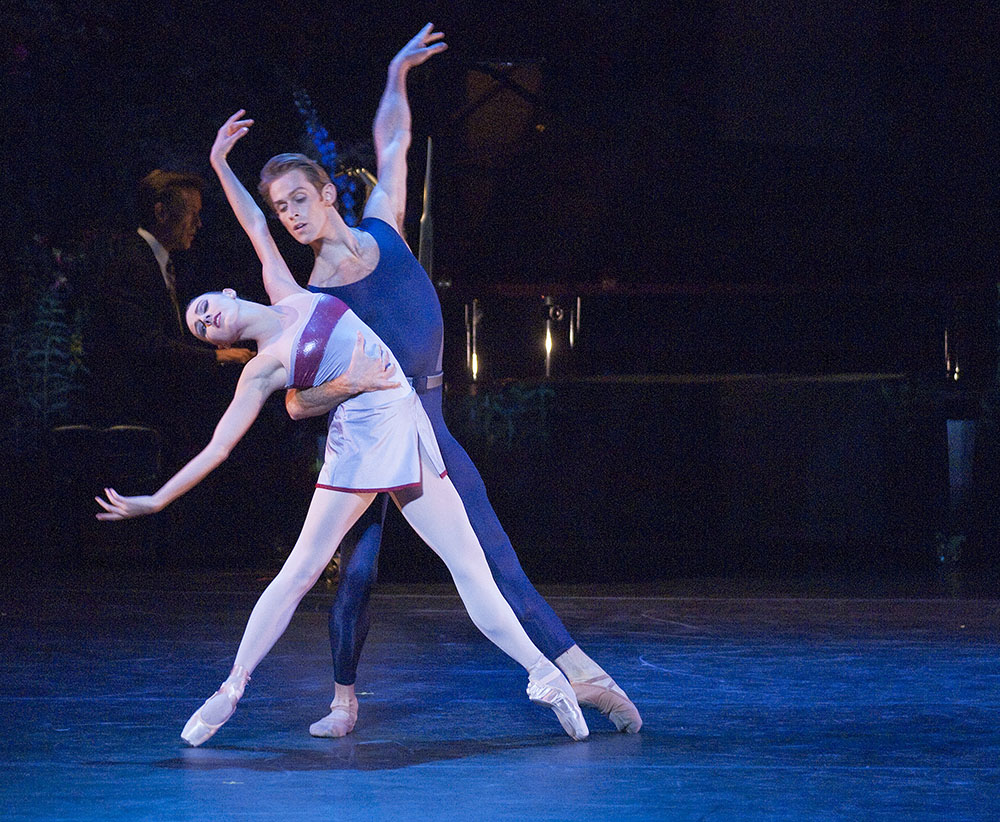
<point>391,132</point>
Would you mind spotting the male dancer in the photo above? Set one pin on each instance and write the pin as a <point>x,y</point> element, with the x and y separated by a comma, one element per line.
<point>372,270</point>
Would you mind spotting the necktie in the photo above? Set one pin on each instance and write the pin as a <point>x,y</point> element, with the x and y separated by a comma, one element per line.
<point>171,279</point>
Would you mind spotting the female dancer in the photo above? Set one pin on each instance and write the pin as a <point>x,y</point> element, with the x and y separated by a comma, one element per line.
<point>377,441</point>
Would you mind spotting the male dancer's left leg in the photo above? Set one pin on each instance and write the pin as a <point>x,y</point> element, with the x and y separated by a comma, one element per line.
<point>350,614</point>
<point>594,686</point>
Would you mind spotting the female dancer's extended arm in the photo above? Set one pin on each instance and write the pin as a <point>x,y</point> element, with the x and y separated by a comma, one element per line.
<point>278,280</point>
<point>261,377</point>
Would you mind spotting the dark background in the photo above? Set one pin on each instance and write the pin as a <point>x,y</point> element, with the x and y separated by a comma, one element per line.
<point>803,187</point>
<point>733,140</point>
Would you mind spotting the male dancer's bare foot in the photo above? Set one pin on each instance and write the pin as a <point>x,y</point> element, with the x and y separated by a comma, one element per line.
<point>604,694</point>
<point>343,714</point>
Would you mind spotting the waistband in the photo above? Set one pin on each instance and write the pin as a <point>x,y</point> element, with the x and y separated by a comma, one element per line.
<point>424,384</point>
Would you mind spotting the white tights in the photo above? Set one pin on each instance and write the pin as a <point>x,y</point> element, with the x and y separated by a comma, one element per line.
<point>436,513</point>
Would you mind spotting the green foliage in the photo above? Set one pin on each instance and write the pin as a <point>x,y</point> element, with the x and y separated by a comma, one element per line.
<point>504,419</point>
<point>948,547</point>
<point>41,360</point>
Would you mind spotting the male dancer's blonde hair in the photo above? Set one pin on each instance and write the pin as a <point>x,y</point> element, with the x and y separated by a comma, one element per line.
<point>281,164</point>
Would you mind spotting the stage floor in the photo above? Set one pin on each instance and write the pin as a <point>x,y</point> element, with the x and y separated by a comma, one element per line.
<point>755,707</point>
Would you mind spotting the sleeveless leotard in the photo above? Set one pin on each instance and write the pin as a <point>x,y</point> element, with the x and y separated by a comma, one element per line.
<point>398,300</point>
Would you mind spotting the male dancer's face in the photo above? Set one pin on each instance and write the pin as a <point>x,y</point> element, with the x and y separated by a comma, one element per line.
<point>303,210</point>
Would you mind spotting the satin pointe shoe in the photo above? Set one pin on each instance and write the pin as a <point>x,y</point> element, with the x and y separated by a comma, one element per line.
<point>604,694</point>
<point>217,709</point>
<point>339,722</point>
<point>552,690</point>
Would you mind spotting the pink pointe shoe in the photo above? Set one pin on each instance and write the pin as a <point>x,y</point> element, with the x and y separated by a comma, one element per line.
<point>604,694</point>
<point>339,722</point>
<point>552,690</point>
<point>217,708</point>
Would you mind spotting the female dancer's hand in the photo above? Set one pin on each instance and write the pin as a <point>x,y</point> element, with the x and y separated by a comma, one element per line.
<point>421,47</point>
<point>118,507</point>
<point>232,130</point>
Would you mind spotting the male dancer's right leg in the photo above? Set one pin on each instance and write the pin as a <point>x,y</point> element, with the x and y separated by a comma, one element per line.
<point>350,618</point>
<point>593,685</point>
<point>330,515</point>
<point>350,614</point>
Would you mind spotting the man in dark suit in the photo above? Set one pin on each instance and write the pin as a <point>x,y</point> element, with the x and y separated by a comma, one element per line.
<point>145,364</point>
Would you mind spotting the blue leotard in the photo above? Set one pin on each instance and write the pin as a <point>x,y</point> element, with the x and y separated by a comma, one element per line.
<point>397,300</point>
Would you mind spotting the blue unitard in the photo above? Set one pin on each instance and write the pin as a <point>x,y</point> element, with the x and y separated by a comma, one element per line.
<point>397,300</point>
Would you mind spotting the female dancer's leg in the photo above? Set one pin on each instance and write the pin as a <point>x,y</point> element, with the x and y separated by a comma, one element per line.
<point>331,514</point>
<point>436,513</point>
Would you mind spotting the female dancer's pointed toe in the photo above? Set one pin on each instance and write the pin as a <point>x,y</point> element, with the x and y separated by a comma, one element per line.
<point>217,710</point>
<point>197,730</point>
<point>552,690</point>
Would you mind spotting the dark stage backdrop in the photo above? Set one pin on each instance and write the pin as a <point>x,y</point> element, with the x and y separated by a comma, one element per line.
<point>639,141</point>
<point>797,152</point>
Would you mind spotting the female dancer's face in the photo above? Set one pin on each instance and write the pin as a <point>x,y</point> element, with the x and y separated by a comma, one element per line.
<point>212,317</point>
<point>303,210</point>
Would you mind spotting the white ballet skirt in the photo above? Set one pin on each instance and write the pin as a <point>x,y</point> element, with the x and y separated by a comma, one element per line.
<point>378,448</point>
<point>374,440</point>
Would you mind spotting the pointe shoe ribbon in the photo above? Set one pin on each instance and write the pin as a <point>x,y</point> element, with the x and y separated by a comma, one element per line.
<point>602,693</point>
<point>198,730</point>
<point>551,691</point>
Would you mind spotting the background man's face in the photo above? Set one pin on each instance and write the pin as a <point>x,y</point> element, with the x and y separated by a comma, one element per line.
<point>178,225</point>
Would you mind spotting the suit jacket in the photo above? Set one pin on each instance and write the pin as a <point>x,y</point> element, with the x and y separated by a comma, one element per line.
<point>143,366</point>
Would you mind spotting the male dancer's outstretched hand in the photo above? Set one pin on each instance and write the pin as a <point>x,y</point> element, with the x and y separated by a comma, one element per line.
<point>425,44</point>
